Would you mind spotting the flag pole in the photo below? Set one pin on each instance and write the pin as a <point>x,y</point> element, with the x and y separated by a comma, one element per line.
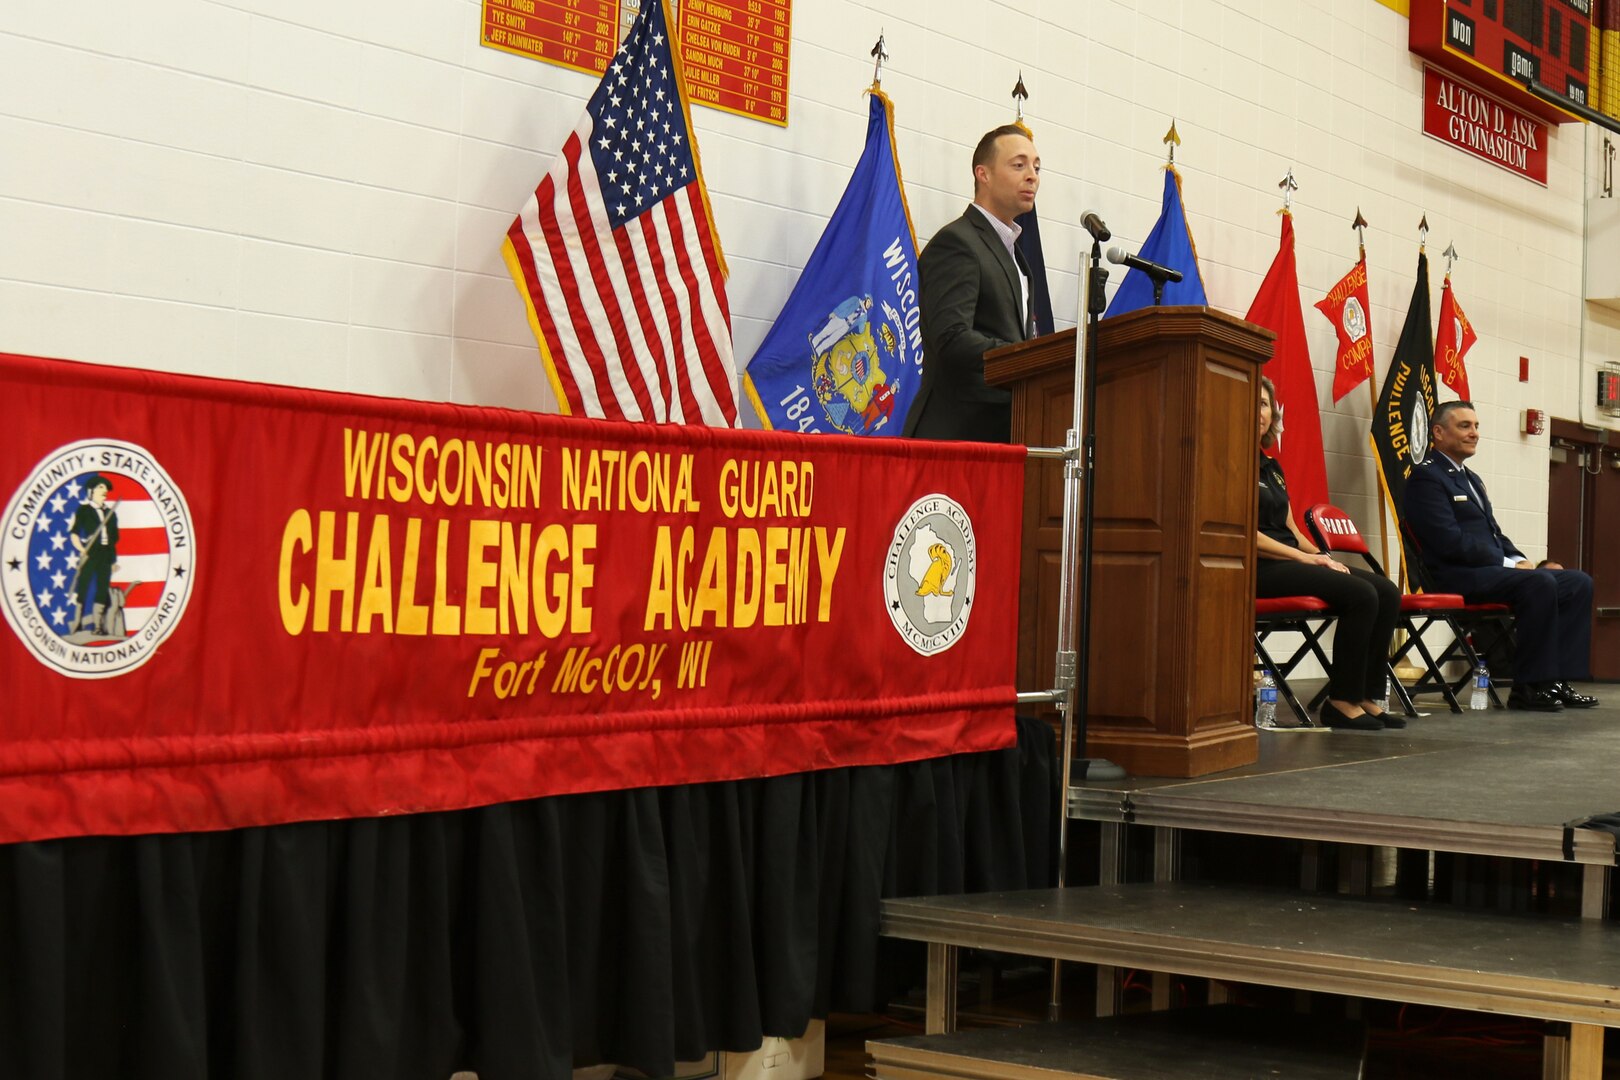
<point>1360,227</point>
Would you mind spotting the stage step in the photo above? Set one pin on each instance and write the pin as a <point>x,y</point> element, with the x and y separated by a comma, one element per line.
<point>1549,969</point>
<point>1220,1042</point>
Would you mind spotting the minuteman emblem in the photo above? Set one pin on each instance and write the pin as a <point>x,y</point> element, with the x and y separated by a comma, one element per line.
<point>96,558</point>
<point>929,573</point>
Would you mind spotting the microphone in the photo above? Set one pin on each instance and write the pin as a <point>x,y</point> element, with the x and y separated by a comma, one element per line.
<point>1095,226</point>
<point>1151,269</point>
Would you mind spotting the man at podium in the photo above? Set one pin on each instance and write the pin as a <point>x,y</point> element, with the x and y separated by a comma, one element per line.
<point>975,296</point>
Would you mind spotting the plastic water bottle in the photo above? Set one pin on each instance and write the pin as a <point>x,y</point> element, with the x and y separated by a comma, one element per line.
<point>1383,699</point>
<point>1265,703</point>
<point>1482,689</point>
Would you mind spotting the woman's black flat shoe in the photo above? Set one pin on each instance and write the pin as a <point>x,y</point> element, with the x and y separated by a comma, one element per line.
<point>1333,718</point>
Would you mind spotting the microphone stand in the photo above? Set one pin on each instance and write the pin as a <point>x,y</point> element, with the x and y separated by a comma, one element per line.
<point>1096,304</point>
<point>1073,674</point>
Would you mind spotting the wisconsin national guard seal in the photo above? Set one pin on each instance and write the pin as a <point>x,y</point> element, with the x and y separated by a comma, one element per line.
<point>96,558</point>
<point>928,574</point>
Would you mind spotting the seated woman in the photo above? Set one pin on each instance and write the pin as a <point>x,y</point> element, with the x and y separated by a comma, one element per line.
<point>1368,604</point>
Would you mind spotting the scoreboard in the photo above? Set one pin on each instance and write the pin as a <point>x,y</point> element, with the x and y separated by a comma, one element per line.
<point>1498,44</point>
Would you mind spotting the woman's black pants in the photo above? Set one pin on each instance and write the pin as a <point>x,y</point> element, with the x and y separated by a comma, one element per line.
<point>1368,605</point>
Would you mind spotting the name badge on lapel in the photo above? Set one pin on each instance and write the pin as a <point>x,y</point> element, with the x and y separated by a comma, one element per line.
<point>1459,498</point>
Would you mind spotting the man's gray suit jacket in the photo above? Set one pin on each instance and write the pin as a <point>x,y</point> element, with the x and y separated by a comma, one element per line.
<point>972,302</point>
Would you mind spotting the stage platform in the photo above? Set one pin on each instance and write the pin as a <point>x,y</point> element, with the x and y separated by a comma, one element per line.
<point>1497,782</point>
<point>1219,1042</point>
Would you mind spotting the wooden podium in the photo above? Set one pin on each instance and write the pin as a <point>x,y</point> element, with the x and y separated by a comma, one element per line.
<point>1172,610</point>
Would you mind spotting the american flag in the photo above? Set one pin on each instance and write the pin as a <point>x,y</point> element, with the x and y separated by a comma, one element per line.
<point>616,254</point>
<point>141,569</point>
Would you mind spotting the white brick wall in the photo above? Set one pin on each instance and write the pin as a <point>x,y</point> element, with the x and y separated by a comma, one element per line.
<point>314,193</point>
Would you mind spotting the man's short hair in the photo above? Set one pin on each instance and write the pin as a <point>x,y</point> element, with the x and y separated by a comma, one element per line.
<point>985,152</point>
<point>1443,412</point>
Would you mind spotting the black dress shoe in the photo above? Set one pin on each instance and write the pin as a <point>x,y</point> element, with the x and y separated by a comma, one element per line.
<point>1541,698</point>
<point>1333,718</point>
<point>1571,698</point>
<point>1391,719</point>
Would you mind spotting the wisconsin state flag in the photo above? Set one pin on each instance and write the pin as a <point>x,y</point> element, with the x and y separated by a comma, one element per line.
<point>1452,340</point>
<point>845,354</point>
<point>1350,311</point>
<point>1299,446</point>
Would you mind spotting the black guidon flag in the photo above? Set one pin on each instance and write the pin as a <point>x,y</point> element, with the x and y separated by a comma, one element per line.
<point>1400,425</point>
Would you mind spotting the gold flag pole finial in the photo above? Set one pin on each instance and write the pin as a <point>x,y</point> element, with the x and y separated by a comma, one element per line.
<point>1172,140</point>
<point>1288,185</point>
<point>1360,225</point>
<point>1451,257</point>
<point>1020,95</point>
<point>1423,233</point>
<point>880,55</point>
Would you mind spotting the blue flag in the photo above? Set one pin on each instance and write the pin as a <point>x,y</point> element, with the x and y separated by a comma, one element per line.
<point>845,354</point>
<point>1169,244</point>
<point>1040,296</point>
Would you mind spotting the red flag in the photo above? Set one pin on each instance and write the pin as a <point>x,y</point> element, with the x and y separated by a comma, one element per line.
<point>616,256</point>
<point>1347,307</point>
<point>1299,446</point>
<point>1452,340</point>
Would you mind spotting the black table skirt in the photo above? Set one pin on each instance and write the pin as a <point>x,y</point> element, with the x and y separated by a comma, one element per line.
<point>519,941</point>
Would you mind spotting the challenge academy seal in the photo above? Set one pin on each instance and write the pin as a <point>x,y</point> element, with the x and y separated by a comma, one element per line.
<point>96,558</point>
<point>928,574</point>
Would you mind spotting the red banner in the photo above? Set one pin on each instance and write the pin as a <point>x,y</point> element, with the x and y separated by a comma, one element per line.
<point>231,604</point>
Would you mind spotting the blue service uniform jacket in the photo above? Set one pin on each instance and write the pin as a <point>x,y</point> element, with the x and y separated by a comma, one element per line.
<point>1454,523</point>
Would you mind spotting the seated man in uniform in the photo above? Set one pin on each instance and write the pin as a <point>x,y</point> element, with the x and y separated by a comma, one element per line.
<point>1466,552</point>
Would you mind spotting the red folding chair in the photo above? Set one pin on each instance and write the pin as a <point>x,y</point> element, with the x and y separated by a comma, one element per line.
<point>1335,531</point>
<point>1482,628</point>
<point>1304,615</point>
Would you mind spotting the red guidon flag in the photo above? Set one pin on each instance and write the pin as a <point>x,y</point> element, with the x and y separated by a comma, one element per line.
<point>1452,340</point>
<point>1350,311</point>
<point>616,256</point>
